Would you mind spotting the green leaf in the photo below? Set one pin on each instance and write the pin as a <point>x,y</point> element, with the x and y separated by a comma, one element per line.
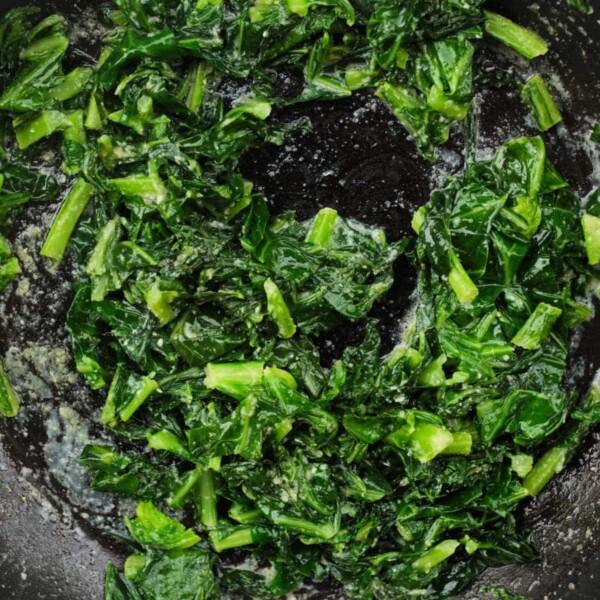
<point>152,528</point>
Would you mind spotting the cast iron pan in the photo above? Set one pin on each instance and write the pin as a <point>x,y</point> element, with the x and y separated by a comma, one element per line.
<point>53,542</point>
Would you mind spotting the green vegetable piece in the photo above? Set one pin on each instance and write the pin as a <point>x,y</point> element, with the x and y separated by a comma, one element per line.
<point>520,39</point>
<point>9,265</point>
<point>197,87</point>
<point>41,126</point>
<point>464,288</point>
<point>190,480</point>
<point>160,302</point>
<point>73,84</point>
<point>235,537</point>
<point>28,91</point>
<point>418,219</point>
<point>133,566</point>
<point>308,528</point>
<point>66,219</point>
<point>94,119</point>
<point>462,443</point>
<point>544,469</point>
<point>118,587</point>
<point>416,116</point>
<point>237,380</point>
<point>591,232</point>
<point>301,7</point>
<point>278,376</point>
<point>126,394</point>
<point>243,514</point>
<point>99,265</point>
<point>433,374</point>
<point>358,78</point>
<point>169,442</point>
<point>595,135</point>
<point>150,187</point>
<point>577,313</point>
<point>423,436</point>
<point>152,528</point>
<point>438,554</point>
<point>530,213</point>
<point>322,228</point>
<point>445,104</point>
<point>208,499</point>
<point>46,47</point>
<point>185,574</point>
<point>521,464</point>
<point>141,395</point>
<point>537,327</point>
<point>537,96</point>
<point>278,310</point>
<point>74,144</point>
<point>9,402</point>
<point>202,338</point>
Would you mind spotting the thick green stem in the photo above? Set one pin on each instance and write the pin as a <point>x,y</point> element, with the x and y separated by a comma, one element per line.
<point>45,124</point>
<point>537,327</point>
<point>520,39</point>
<point>208,499</point>
<point>315,530</point>
<point>197,85</point>
<point>190,480</point>
<point>242,536</point>
<point>551,463</point>
<point>537,96</point>
<point>243,514</point>
<point>435,556</point>
<point>73,84</point>
<point>461,444</point>
<point>66,219</point>
<point>140,396</point>
<point>591,232</point>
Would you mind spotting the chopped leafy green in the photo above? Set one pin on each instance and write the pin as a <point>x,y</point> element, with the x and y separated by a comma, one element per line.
<point>153,528</point>
<point>9,402</point>
<point>282,456</point>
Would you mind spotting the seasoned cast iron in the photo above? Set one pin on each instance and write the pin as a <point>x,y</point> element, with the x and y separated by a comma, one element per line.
<point>358,159</point>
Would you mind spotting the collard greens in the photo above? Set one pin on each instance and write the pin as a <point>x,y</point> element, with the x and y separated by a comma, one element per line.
<point>197,306</point>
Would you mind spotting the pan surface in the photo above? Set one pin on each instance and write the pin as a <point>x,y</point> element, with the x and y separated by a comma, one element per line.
<point>358,159</point>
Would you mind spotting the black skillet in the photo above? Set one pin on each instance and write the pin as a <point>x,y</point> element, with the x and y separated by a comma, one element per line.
<point>357,158</point>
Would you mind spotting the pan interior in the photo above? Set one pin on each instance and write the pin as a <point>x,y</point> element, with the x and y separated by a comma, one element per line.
<point>358,160</point>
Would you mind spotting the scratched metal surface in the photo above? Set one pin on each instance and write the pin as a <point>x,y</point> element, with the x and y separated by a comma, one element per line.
<point>357,158</point>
